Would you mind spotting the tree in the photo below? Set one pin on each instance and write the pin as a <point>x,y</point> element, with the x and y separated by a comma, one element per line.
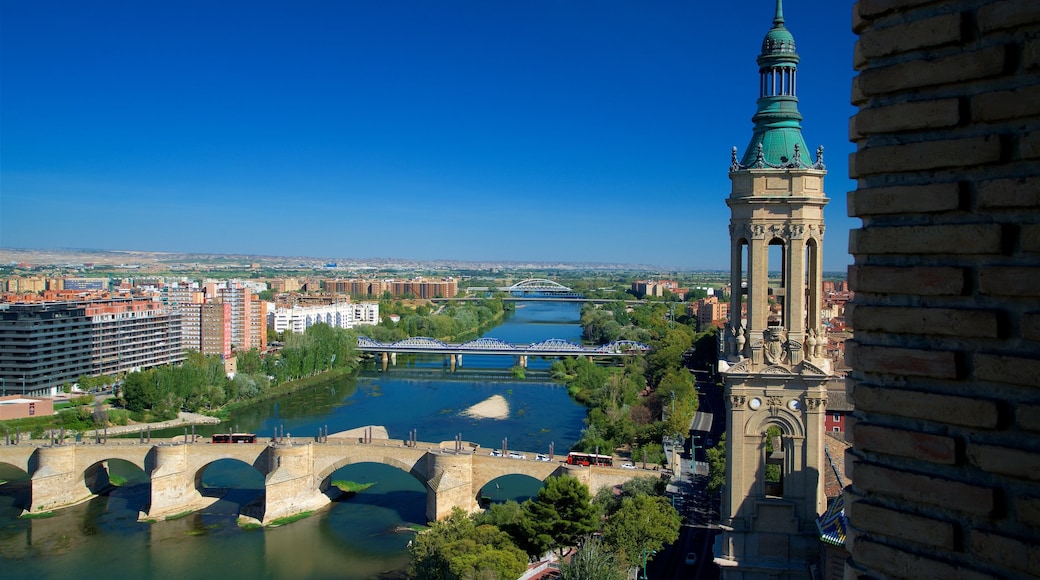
<point>592,560</point>
<point>561,514</point>
<point>458,547</point>
<point>717,466</point>
<point>642,524</point>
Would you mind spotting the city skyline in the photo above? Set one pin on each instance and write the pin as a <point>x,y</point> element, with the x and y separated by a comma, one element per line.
<point>580,132</point>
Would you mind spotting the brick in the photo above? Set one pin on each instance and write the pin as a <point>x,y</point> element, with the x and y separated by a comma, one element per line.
<point>962,67</point>
<point>901,525</point>
<point>858,24</point>
<point>1029,145</point>
<point>859,62</point>
<point>910,116</point>
<point>916,35</point>
<point>1010,193</point>
<point>914,280</point>
<point>1009,14</point>
<point>948,409</point>
<point>1031,326</point>
<point>856,96</point>
<point>901,361</point>
<point>1028,510</point>
<point>1027,417</point>
<point>870,8</point>
<point>1007,369</point>
<point>949,239</point>
<point>901,564</point>
<point>1005,460</point>
<point>928,321</point>
<point>1001,105</point>
<point>1029,240</point>
<point>905,443</point>
<point>925,198</point>
<point>944,493</point>
<point>1009,281</point>
<point>1005,552</point>
<point>1031,55</point>
<point>926,155</point>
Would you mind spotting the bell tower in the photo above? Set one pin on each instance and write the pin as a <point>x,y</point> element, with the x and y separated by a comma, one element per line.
<point>770,353</point>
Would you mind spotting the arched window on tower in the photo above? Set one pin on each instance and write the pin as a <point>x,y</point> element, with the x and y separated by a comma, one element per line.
<point>777,269</point>
<point>774,462</point>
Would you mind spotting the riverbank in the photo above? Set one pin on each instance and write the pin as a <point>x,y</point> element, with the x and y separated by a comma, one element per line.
<point>183,419</point>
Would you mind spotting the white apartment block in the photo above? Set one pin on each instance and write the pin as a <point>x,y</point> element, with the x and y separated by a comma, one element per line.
<point>342,315</point>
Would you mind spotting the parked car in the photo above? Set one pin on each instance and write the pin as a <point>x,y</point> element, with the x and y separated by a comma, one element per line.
<point>495,453</point>
<point>517,455</point>
<point>628,466</point>
<point>542,457</point>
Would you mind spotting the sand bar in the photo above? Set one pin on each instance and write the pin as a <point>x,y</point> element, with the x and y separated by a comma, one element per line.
<point>494,407</point>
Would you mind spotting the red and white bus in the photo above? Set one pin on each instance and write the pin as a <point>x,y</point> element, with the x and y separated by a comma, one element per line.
<point>578,458</point>
<point>234,437</point>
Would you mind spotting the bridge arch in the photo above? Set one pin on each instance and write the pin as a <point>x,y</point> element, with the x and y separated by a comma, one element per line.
<point>538,284</point>
<point>487,343</point>
<point>556,344</point>
<point>419,342</point>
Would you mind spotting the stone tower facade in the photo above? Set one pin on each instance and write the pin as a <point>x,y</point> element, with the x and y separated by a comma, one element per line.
<point>770,353</point>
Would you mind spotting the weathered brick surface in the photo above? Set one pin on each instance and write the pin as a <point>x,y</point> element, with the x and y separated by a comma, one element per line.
<point>1009,281</point>
<point>948,409</point>
<point>872,518</point>
<point>1018,192</point>
<point>1028,510</point>
<point>934,491</point>
<point>1031,55</point>
<point>1014,462</point>
<point>941,321</point>
<point>908,116</point>
<point>1002,105</point>
<point>902,361</point>
<point>1008,369</point>
<point>984,63</point>
<point>1027,416</point>
<point>926,198</point>
<point>1019,555</point>
<point>1031,326</point>
<point>1030,238</point>
<point>949,239</point>
<point>1008,14</point>
<point>1029,145</point>
<point>916,280</point>
<point>903,564</point>
<point>927,155</point>
<point>905,443</point>
<point>929,32</point>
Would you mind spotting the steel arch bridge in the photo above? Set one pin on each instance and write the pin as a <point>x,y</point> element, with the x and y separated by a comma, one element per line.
<point>554,347</point>
<point>541,287</point>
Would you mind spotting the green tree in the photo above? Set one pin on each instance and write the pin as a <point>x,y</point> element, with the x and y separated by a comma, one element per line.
<point>593,560</point>
<point>716,466</point>
<point>458,548</point>
<point>561,514</point>
<point>643,523</point>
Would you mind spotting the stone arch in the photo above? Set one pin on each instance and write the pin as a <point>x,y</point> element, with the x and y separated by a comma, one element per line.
<point>199,470</point>
<point>480,496</point>
<point>324,477</point>
<point>97,476</point>
<point>790,424</point>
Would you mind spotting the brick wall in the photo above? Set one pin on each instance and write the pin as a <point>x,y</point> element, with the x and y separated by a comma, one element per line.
<point>946,353</point>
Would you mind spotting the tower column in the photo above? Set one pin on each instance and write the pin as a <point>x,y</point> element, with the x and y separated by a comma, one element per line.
<point>795,299</point>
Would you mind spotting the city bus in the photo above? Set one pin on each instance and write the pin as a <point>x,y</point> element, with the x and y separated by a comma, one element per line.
<point>234,437</point>
<point>578,458</point>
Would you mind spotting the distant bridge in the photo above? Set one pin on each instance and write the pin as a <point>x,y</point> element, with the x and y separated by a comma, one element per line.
<point>533,288</point>
<point>553,348</point>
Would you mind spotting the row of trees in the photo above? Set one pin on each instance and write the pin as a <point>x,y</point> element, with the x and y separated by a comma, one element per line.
<point>200,384</point>
<point>649,397</point>
<point>499,542</point>
<point>454,321</point>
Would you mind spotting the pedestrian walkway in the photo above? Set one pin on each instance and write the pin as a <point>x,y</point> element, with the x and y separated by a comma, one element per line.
<point>183,419</point>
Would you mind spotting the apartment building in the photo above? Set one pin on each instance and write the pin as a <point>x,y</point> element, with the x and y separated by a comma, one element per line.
<point>339,315</point>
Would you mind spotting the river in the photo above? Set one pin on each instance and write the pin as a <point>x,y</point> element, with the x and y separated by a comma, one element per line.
<point>357,538</point>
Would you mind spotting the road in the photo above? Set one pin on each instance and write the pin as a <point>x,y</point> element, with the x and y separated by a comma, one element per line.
<point>699,529</point>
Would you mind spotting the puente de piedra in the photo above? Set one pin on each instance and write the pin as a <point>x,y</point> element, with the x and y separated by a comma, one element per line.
<point>297,476</point>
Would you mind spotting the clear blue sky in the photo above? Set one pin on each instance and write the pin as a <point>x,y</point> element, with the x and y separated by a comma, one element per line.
<point>533,130</point>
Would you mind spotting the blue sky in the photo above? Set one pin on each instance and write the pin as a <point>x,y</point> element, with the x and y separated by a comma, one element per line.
<point>533,130</point>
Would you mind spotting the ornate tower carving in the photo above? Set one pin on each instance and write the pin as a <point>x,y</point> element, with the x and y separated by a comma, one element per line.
<point>770,354</point>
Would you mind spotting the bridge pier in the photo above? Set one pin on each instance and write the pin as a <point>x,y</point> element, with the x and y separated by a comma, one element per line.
<point>56,482</point>
<point>174,487</point>
<point>290,485</point>
<point>449,479</point>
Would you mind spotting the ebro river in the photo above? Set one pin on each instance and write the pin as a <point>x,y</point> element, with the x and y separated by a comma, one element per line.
<point>364,536</point>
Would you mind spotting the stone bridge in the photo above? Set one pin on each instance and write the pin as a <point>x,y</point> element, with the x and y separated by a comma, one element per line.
<point>297,476</point>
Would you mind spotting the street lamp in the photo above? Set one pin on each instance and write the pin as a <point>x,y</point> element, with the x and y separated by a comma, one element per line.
<point>645,554</point>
